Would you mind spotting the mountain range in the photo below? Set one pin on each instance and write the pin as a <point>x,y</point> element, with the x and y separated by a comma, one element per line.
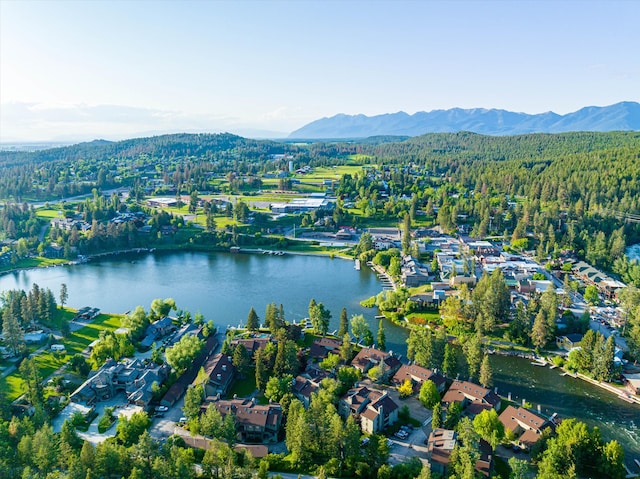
<point>617,117</point>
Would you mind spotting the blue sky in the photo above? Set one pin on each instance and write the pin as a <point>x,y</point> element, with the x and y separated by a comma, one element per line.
<point>79,70</point>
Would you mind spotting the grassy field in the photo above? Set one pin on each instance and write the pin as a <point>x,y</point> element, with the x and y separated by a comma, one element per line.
<point>48,213</point>
<point>34,262</point>
<point>76,342</point>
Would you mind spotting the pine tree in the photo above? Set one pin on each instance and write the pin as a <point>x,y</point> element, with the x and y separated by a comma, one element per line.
<point>450,361</point>
<point>253,322</point>
<point>486,374</point>
<point>382,338</point>
<point>406,234</point>
<point>344,323</point>
<point>64,296</point>
<point>436,417</point>
<point>472,349</point>
<point>262,373</point>
<point>346,350</point>
<point>13,333</point>
<point>240,359</point>
<point>539,332</point>
<point>608,357</point>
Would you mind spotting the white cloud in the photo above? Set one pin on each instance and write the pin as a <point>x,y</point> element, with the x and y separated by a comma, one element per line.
<point>67,122</point>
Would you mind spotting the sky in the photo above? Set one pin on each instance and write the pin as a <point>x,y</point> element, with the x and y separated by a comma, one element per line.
<point>79,70</point>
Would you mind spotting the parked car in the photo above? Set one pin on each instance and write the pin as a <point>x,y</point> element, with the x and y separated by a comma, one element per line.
<point>161,409</point>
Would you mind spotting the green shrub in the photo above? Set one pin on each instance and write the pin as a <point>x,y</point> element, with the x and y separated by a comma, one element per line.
<point>368,303</point>
<point>106,421</point>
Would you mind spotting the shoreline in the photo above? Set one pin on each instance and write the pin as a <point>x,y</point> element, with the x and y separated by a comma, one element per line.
<point>621,393</point>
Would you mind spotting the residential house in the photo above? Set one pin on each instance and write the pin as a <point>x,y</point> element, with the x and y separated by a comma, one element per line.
<point>156,331</point>
<point>370,357</point>
<point>220,372</point>
<point>178,388</point>
<point>134,377</point>
<point>474,398</point>
<point>321,347</point>
<point>255,423</point>
<point>413,273</point>
<point>253,344</point>
<point>373,408</point>
<point>568,341</point>
<point>440,445</point>
<point>307,383</point>
<point>54,250</point>
<point>67,224</point>
<point>418,375</point>
<point>526,425</point>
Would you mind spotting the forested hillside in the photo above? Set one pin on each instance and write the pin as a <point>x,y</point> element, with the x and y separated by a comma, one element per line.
<point>571,191</point>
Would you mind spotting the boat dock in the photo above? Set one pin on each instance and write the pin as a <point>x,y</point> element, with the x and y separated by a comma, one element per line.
<point>387,282</point>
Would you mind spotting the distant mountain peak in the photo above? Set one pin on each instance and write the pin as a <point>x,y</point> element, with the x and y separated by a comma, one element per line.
<point>618,117</point>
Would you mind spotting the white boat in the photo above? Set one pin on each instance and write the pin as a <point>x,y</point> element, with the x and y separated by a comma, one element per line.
<point>357,264</point>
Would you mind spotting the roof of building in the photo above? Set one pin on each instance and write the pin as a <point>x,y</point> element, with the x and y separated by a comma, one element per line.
<point>247,412</point>
<point>461,390</point>
<point>368,357</point>
<point>516,419</point>
<point>418,374</point>
<point>219,368</point>
<point>440,444</point>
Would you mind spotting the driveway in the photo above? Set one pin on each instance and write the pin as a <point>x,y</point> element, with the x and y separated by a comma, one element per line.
<point>162,427</point>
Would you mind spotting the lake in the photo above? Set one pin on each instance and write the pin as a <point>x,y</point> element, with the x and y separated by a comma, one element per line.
<point>221,286</point>
<point>225,286</point>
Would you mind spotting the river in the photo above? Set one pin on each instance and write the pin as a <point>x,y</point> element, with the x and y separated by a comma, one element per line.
<point>569,397</point>
<point>223,287</point>
<point>633,252</point>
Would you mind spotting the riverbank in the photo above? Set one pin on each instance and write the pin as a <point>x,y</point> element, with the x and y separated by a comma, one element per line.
<point>621,392</point>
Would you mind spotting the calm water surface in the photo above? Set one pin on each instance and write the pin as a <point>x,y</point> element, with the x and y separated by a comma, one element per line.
<point>221,286</point>
<point>224,287</point>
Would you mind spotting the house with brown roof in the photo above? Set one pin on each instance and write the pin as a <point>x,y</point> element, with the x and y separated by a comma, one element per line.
<point>321,347</point>
<point>254,422</point>
<point>418,375</point>
<point>474,398</point>
<point>440,445</point>
<point>370,357</point>
<point>252,344</point>
<point>526,425</point>
<point>220,372</point>
<point>178,388</point>
<point>373,408</point>
<point>307,383</point>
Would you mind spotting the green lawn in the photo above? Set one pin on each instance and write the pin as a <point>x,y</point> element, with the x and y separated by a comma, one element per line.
<point>244,387</point>
<point>77,341</point>
<point>34,262</point>
<point>49,213</point>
